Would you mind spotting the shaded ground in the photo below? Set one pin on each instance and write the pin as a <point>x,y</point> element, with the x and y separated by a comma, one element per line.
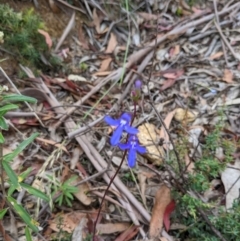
<point>187,116</point>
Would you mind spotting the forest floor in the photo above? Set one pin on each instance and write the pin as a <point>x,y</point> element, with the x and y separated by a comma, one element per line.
<point>185,186</point>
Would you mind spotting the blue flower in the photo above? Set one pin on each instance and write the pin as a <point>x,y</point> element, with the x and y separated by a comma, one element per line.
<point>122,124</point>
<point>133,147</point>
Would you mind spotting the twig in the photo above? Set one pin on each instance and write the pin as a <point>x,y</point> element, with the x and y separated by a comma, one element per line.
<point>217,22</point>
<point>66,31</point>
<point>218,234</point>
<point>236,56</point>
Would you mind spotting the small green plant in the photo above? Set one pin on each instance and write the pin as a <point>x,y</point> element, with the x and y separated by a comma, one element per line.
<point>64,190</point>
<point>206,168</point>
<point>16,182</point>
<point>20,35</point>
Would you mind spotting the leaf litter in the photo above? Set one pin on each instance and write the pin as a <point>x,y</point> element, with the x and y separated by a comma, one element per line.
<point>191,71</point>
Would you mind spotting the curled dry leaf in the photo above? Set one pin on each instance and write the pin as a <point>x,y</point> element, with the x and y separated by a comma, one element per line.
<point>162,200</point>
<point>66,221</point>
<point>148,137</point>
<point>185,116</point>
<point>47,37</point>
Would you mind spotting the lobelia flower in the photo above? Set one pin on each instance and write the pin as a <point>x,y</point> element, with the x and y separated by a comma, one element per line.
<point>122,124</point>
<point>133,147</point>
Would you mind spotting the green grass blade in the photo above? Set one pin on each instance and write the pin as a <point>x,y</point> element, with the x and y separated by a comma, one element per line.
<point>11,174</point>
<point>2,213</point>
<point>28,234</point>
<point>23,214</point>
<point>20,148</point>
<point>35,192</point>
<point>8,107</point>
<point>3,123</point>
<point>2,140</point>
<point>19,98</point>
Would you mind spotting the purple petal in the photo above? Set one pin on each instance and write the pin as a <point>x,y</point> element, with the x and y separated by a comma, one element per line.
<point>126,117</point>
<point>110,121</point>
<point>116,136</point>
<point>131,158</point>
<point>124,146</point>
<point>130,130</point>
<point>138,84</point>
<point>141,149</point>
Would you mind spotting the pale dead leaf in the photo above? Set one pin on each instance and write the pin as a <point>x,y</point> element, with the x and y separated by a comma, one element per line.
<point>81,193</point>
<point>216,55</point>
<point>149,138</point>
<point>148,16</point>
<point>111,44</point>
<point>75,157</point>
<point>163,133</point>
<point>52,143</point>
<point>105,64</point>
<point>47,37</point>
<point>80,232</point>
<point>108,228</point>
<point>185,115</point>
<point>96,21</point>
<point>142,184</point>
<point>231,182</point>
<point>228,76</point>
<point>102,73</point>
<point>162,199</point>
<point>76,78</point>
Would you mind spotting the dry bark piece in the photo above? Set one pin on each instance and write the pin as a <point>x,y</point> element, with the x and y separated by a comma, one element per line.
<point>148,137</point>
<point>162,200</point>
<point>185,115</point>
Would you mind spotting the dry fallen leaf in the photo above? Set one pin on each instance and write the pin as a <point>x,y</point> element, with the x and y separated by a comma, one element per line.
<point>185,116</point>
<point>228,76</point>
<point>47,37</point>
<point>66,221</point>
<point>148,137</point>
<point>108,228</point>
<point>111,44</point>
<point>105,64</point>
<point>231,182</point>
<point>162,200</point>
<point>81,194</point>
<point>216,55</point>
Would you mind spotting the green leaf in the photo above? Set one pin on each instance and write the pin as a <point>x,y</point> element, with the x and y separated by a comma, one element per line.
<point>28,234</point>
<point>2,140</point>
<point>8,107</point>
<point>35,192</point>
<point>3,123</point>
<point>20,148</point>
<point>11,189</point>
<point>23,214</point>
<point>11,174</point>
<point>19,98</point>
<point>24,174</point>
<point>2,212</point>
